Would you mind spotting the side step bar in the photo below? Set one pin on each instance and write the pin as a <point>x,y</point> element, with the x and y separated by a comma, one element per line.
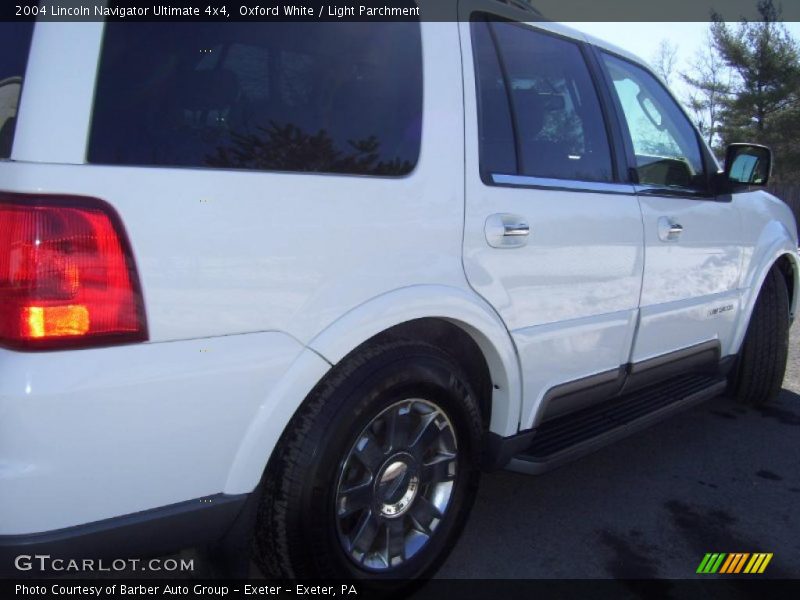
<point>568,437</point>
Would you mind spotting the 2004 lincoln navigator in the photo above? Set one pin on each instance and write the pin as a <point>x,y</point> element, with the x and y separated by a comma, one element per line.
<point>259,293</point>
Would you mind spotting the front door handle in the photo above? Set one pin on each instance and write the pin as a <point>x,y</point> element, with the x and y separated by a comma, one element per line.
<point>669,230</point>
<point>504,230</point>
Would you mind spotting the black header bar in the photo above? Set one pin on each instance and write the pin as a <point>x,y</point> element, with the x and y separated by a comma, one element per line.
<point>383,10</point>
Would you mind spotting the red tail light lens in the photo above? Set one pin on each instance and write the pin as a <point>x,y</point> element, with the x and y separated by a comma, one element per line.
<point>67,276</point>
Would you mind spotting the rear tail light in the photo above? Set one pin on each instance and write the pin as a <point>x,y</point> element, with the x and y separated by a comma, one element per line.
<point>67,275</point>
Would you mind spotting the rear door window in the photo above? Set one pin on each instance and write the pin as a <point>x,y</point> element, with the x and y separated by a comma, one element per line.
<point>540,84</point>
<point>319,97</point>
<point>15,41</point>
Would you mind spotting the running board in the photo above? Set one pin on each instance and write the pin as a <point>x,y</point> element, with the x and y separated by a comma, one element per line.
<point>568,437</point>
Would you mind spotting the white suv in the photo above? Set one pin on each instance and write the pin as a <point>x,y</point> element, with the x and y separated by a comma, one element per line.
<point>296,284</point>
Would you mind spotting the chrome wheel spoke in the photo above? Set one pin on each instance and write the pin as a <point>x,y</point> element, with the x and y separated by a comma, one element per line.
<point>395,541</point>
<point>365,533</point>
<point>439,470</point>
<point>369,452</point>
<point>427,434</point>
<point>398,426</point>
<point>425,514</point>
<point>354,498</point>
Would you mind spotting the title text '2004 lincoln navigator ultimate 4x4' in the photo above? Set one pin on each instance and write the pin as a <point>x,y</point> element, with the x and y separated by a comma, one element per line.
<point>253,290</point>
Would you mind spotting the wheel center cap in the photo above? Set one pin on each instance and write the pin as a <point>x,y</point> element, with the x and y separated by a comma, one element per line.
<point>397,486</point>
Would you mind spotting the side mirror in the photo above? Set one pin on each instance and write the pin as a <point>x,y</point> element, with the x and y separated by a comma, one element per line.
<point>747,165</point>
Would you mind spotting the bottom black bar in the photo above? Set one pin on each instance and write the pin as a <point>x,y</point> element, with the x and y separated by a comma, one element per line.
<point>705,587</point>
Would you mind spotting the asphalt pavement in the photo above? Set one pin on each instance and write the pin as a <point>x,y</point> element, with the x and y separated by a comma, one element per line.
<point>718,478</point>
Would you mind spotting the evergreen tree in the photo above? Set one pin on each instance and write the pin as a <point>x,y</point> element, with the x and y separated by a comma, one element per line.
<point>763,103</point>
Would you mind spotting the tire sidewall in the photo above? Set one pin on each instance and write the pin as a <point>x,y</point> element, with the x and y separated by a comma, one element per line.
<point>369,390</point>
<point>744,380</point>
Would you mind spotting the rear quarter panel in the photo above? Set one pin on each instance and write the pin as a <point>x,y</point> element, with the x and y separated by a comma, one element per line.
<point>223,251</point>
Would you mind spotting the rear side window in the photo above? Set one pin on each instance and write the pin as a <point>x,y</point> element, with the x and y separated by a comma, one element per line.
<point>15,41</point>
<point>318,97</point>
<point>543,87</point>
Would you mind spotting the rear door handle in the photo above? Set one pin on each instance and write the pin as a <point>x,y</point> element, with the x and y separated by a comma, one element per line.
<point>519,229</point>
<point>504,230</point>
<point>669,230</point>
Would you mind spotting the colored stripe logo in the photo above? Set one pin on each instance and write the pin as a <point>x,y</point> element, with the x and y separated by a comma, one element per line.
<point>734,563</point>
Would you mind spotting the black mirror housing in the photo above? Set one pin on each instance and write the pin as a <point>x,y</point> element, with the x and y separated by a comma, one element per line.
<point>747,165</point>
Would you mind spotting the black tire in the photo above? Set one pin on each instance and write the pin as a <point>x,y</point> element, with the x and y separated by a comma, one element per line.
<point>298,531</point>
<point>761,364</point>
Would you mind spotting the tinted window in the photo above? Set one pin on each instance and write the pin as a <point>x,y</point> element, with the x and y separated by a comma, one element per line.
<point>497,152</point>
<point>15,41</point>
<point>323,97</point>
<point>664,141</point>
<point>559,123</point>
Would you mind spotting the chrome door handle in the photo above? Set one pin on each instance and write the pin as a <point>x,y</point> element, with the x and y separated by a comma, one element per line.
<point>505,230</point>
<point>675,229</point>
<point>520,229</point>
<point>669,230</point>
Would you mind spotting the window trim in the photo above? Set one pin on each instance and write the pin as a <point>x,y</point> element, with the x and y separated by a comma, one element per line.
<point>619,175</point>
<point>627,138</point>
<point>616,135</point>
<point>478,17</point>
<point>569,185</point>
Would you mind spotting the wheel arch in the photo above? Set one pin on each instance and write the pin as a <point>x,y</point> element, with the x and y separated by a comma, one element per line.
<point>455,320</point>
<point>774,250</point>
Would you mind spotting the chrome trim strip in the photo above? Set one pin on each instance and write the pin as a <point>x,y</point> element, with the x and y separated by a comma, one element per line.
<point>656,190</point>
<point>563,184</point>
